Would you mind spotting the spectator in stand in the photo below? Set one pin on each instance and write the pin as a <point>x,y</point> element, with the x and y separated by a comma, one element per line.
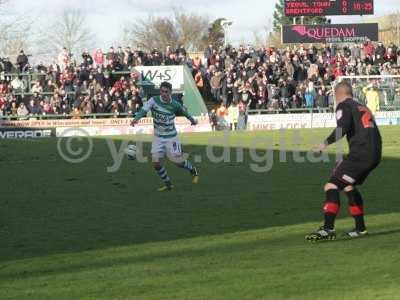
<point>17,85</point>
<point>87,107</point>
<point>4,89</point>
<point>310,95</point>
<point>33,108</point>
<point>242,118</point>
<point>171,60</point>
<point>37,87</point>
<point>285,94</point>
<point>130,108</point>
<point>128,57</point>
<point>76,113</point>
<point>196,64</point>
<point>321,100</point>
<point>228,90</point>
<point>262,97</point>
<point>14,109</point>
<point>198,79</point>
<point>22,62</point>
<point>209,51</point>
<point>64,59</point>
<point>115,108</point>
<point>390,55</point>
<point>213,119</point>
<point>47,108</point>
<point>3,111</point>
<point>120,55</point>
<point>87,59</point>
<point>216,85</point>
<point>50,87</point>
<point>98,58</point>
<point>372,98</point>
<point>64,110</point>
<point>222,113</point>
<point>157,59</point>
<point>136,60</point>
<point>233,116</point>
<point>111,58</point>
<point>248,95</point>
<point>6,65</point>
<point>380,50</point>
<point>100,109</point>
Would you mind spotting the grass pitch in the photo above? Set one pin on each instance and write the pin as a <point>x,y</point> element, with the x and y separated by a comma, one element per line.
<point>76,231</point>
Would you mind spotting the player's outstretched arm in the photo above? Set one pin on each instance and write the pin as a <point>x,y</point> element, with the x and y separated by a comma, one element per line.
<point>138,115</point>
<point>344,120</point>
<point>142,112</point>
<point>184,112</point>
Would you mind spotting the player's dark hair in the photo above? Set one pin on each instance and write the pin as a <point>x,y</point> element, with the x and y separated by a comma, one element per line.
<point>346,87</point>
<point>166,84</point>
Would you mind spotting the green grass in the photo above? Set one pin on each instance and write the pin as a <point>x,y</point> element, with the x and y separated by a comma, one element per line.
<point>78,232</point>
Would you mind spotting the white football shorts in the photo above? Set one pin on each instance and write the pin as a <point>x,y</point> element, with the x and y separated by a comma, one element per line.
<point>162,146</point>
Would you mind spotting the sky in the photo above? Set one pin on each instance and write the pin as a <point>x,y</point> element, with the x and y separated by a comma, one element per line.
<point>106,18</point>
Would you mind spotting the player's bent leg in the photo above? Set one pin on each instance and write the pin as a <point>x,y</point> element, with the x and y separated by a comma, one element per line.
<point>356,209</point>
<point>162,173</point>
<point>332,205</point>
<point>183,163</point>
<point>330,210</point>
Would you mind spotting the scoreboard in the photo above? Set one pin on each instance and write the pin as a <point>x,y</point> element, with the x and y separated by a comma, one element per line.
<point>296,8</point>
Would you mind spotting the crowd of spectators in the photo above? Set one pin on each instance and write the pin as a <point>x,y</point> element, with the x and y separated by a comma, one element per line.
<point>243,77</point>
<point>294,77</point>
<point>97,83</point>
<point>280,79</point>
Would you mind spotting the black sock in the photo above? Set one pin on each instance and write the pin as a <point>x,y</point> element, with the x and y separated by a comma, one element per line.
<point>356,208</point>
<point>331,208</point>
<point>329,222</point>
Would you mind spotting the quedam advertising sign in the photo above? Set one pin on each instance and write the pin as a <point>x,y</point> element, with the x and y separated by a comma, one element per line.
<point>330,33</point>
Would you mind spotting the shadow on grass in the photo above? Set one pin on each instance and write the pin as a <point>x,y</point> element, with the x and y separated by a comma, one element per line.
<point>82,264</point>
<point>382,233</point>
<point>370,235</point>
<point>53,214</point>
<point>132,258</point>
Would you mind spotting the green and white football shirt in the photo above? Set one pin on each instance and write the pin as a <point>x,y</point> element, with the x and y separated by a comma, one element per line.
<point>163,114</point>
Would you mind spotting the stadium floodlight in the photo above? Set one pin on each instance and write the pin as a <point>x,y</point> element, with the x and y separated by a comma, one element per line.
<point>225,24</point>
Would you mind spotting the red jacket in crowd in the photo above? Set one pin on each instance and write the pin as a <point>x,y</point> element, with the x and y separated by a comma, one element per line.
<point>98,57</point>
<point>369,49</point>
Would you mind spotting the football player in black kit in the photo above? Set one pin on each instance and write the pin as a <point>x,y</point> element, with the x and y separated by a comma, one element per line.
<point>355,121</point>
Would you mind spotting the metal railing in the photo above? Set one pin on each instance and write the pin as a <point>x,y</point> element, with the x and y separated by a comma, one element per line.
<point>290,111</point>
<point>310,110</point>
<point>127,115</point>
<point>66,116</point>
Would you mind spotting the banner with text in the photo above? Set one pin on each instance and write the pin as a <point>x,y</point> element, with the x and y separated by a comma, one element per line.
<point>144,127</point>
<point>330,33</point>
<point>322,120</point>
<point>90,122</point>
<point>26,133</point>
<point>157,74</point>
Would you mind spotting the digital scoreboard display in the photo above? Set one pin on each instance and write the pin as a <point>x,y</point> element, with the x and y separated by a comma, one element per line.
<point>296,8</point>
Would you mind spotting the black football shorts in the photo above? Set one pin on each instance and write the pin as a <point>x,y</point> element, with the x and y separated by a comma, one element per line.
<point>351,172</point>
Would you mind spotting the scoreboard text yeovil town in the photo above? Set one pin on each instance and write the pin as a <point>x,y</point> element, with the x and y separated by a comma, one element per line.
<point>296,8</point>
